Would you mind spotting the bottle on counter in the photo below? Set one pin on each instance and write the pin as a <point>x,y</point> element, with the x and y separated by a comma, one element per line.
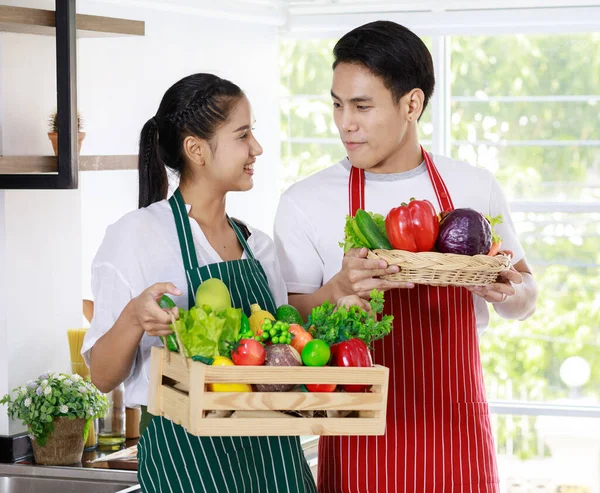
<point>111,428</point>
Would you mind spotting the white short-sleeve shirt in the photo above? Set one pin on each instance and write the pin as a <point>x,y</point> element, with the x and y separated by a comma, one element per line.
<point>310,219</point>
<point>141,249</point>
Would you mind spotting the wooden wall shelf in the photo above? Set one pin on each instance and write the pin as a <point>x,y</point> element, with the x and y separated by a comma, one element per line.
<point>12,165</point>
<point>37,21</point>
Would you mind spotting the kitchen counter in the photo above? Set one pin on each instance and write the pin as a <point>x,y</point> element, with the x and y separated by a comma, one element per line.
<point>45,479</point>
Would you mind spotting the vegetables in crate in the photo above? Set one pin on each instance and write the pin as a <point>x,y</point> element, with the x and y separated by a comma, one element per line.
<point>277,333</point>
<point>257,316</point>
<point>279,355</point>
<point>351,353</point>
<point>334,326</point>
<point>248,352</point>
<point>289,314</point>
<point>227,387</point>
<point>299,337</point>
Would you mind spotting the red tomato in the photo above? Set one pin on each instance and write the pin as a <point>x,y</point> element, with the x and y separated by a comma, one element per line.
<point>320,387</point>
<point>248,352</point>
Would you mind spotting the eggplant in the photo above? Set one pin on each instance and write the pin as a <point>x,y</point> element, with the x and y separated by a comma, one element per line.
<point>464,232</point>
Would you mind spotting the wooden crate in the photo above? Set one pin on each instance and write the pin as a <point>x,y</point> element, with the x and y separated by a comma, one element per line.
<point>179,392</point>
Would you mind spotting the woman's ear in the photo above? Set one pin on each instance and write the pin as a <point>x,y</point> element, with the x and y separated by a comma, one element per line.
<point>414,99</point>
<point>195,150</point>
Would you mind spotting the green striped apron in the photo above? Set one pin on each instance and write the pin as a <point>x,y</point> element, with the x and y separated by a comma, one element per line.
<point>173,461</point>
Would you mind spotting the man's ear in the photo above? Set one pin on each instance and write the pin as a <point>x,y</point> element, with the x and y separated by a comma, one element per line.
<point>414,103</point>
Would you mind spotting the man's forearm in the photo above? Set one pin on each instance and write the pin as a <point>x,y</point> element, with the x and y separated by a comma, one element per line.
<point>522,304</point>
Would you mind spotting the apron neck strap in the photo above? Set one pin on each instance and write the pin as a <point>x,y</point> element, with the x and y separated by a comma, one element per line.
<point>184,231</point>
<point>241,239</point>
<point>356,187</point>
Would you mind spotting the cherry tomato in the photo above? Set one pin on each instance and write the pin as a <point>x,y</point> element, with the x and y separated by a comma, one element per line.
<point>320,387</point>
<point>248,352</point>
<point>316,353</point>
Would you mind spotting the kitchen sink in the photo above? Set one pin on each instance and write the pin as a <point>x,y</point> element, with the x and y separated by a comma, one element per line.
<point>38,479</point>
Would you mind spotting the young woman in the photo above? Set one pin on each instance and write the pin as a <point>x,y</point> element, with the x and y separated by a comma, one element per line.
<point>203,133</point>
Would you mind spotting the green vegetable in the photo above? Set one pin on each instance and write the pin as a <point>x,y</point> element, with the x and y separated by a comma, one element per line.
<point>202,359</point>
<point>289,314</point>
<point>316,353</point>
<point>494,221</point>
<point>333,326</point>
<point>277,332</point>
<point>231,329</point>
<point>367,225</point>
<point>206,333</point>
<point>169,341</point>
<point>357,237</point>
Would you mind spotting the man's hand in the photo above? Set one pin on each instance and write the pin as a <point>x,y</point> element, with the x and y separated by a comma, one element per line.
<point>360,275</point>
<point>502,289</point>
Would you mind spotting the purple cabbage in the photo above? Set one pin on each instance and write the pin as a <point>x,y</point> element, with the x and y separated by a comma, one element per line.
<point>465,232</point>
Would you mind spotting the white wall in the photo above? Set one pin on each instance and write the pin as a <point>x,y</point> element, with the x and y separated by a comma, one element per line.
<point>42,229</point>
<point>48,238</point>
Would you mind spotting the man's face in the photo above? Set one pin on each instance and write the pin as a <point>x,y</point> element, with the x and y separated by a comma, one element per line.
<point>372,127</point>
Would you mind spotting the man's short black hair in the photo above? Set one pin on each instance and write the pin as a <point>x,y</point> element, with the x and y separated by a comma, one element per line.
<point>392,52</point>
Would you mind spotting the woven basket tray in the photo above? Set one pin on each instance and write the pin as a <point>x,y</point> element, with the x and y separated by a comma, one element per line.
<point>443,269</point>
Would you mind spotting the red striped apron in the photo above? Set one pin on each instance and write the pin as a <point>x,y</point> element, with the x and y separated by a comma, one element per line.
<point>438,436</point>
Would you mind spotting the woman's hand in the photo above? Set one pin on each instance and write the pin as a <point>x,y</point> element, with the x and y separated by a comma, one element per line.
<point>502,289</point>
<point>149,316</point>
<point>360,275</point>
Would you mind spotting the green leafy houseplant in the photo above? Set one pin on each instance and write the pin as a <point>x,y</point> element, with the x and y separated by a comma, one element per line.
<point>55,395</point>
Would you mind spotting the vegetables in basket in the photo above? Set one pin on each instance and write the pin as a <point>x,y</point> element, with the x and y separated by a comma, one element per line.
<point>365,230</point>
<point>413,227</point>
<point>466,232</point>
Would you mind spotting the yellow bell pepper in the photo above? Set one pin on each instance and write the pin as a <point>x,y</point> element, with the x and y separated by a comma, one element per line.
<point>227,387</point>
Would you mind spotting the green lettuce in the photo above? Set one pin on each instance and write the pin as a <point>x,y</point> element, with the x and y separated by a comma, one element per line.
<point>231,329</point>
<point>206,333</point>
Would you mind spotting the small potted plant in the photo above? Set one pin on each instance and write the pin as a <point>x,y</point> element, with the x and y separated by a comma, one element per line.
<point>53,133</point>
<point>58,410</point>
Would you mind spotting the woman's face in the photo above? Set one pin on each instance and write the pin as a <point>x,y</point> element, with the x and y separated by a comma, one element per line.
<point>234,149</point>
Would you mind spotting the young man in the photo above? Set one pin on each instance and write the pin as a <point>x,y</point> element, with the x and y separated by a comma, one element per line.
<point>438,435</point>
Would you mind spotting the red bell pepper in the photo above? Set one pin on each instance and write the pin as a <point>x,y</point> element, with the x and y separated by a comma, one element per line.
<point>350,353</point>
<point>413,227</point>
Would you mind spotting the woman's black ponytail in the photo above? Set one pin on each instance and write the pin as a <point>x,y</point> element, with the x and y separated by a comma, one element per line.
<point>153,181</point>
<point>196,105</point>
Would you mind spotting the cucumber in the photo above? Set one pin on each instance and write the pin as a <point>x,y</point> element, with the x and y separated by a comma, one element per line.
<point>166,303</point>
<point>371,232</point>
<point>170,341</point>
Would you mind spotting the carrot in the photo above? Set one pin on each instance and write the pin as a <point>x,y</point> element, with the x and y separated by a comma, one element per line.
<point>495,248</point>
<point>300,337</point>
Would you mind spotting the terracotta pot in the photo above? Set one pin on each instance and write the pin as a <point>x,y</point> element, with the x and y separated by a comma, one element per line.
<point>53,136</point>
<point>64,445</point>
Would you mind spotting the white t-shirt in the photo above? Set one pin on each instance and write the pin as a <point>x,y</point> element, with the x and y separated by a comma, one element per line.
<point>310,219</point>
<point>141,249</point>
